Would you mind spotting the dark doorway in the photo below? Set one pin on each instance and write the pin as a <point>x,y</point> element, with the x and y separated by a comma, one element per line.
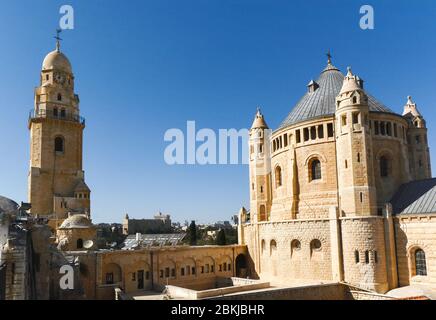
<point>140,279</point>
<point>241,266</point>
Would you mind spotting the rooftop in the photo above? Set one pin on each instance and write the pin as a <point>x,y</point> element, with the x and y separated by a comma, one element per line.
<point>416,197</point>
<point>321,102</point>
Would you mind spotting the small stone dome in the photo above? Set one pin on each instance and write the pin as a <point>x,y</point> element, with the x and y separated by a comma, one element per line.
<point>77,221</point>
<point>7,205</point>
<point>58,61</point>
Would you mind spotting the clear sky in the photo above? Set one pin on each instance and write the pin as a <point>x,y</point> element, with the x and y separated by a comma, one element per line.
<point>143,67</point>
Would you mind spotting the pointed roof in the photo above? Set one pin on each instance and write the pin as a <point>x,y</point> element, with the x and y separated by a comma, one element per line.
<point>410,108</point>
<point>259,121</point>
<point>350,82</point>
<point>322,102</point>
<point>81,186</point>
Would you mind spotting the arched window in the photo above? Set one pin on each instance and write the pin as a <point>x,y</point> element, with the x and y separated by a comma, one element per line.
<point>59,144</point>
<point>315,169</point>
<point>79,243</point>
<point>315,244</point>
<point>273,247</point>
<point>263,246</point>
<point>278,176</point>
<point>384,164</point>
<point>59,97</point>
<point>295,246</point>
<point>420,263</point>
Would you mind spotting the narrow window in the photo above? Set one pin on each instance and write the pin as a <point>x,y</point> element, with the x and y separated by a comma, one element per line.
<point>55,112</point>
<point>376,127</point>
<point>212,268</point>
<point>193,270</point>
<point>395,130</point>
<point>261,189</point>
<point>321,132</point>
<point>278,176</point>
<point>389,129</point>
<point>47,77</point>
<point>109,278</point>
<point>79,243</point>
<point>418,139</point>
<point>182,272</point>
<point>366,256</point>
<point>330,130</point>
<point>382,128</point>
<point>306,134</point>
<point>272,247</point>
<point>167,272</point>
<point>375,257</point>
<point>356,256</point>
<point>59,144</point>
<point>344,120</point>
<point>361,197</point>
<point>420,163</point>
<point>312,133</point>
<point>316,169</point>
<point>384,166</point>
<point>285,139</point>
<point>346,164</point>
<point>59,97</point>
<point>355,117</point>
<point>63,113</point>
<point>173,272</point>
<point>297,136</point>
<point>354,100</point>
<point>358,157</point>
<point>420,263</point>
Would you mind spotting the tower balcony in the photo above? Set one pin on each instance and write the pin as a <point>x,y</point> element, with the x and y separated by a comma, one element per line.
<point>50,114</point>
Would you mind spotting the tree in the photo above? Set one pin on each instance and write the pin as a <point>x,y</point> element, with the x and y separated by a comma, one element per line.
<point>221,238</point>
<point>192,234</point>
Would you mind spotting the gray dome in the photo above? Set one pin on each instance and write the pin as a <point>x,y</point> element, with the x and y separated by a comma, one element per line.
<point>322,101</point>
<point>7,205</point>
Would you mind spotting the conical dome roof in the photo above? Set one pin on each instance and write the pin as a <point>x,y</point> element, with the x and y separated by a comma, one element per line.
<point>322,101</point>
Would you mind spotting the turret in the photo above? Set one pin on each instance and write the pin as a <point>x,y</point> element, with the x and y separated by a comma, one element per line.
<point>260,169</point>
<point>355,171</point>
<point>361,229</point>
<point>419,153</point>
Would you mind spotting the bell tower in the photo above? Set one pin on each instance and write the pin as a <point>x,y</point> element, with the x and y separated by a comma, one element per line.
<point>260,170</point>
<point>56,186</point>
<point>419,153</point>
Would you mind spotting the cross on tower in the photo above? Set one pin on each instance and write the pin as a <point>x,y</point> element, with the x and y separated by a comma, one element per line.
<point>58,39</point>
<point>329,57</point>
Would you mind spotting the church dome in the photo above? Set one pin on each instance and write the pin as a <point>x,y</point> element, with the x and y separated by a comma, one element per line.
<point>7,205</point>
<point>77,221</point>
<point>58,61</point>
<point>321,102</point>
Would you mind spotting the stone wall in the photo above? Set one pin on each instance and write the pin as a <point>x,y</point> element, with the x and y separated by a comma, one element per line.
<point>414,232</point>
<point>364,252</point>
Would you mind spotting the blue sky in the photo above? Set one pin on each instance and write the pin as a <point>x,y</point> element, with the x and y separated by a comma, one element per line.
<point>143,67</point>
